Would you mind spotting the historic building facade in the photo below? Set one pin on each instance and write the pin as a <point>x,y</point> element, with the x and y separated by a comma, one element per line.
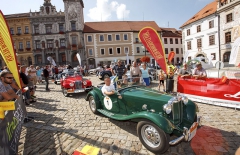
<point>58,34</point>
<point>229,30</point>
<point>20,30</point>
<point>172,41</point>
<point>200,35</point>
<point>106,42</point>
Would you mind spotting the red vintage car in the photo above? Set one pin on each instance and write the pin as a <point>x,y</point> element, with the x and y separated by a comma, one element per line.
<point>73,82</point>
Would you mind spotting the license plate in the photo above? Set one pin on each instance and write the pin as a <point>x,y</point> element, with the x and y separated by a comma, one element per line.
<point>69,90</point>
<point>79,91</point>
<point>192,131</point>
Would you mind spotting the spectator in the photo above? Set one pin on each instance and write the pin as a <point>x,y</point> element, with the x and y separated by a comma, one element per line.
<point>31,84</point>
<point>46,76</point>
<point>69,67</point>
<point>184,71</point>
<point>60,69</point>
<point>56,72</point>
<point>171,70</point>
<point>161,78</point>
<point>199,72</point>
<point>119,69</point>
<point>6,91</point>
<point>145,74</point>
<point>39,74</point>
<point>85,68</point>
<point>135,72</point>
<point>33,74</point>
<point>108,88</point>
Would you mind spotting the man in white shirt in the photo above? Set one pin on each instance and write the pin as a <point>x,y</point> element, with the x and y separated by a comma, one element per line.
<point>108,88</point>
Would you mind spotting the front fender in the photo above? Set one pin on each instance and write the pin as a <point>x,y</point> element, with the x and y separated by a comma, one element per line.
<point>95,96</point>
<point>157,119</point>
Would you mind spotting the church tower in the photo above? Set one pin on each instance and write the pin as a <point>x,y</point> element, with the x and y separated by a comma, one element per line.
<point>74,24</point>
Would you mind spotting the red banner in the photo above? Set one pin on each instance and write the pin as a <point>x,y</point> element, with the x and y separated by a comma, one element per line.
<point>151,40</point>
<point>225,89</point>
<point>171,56</point>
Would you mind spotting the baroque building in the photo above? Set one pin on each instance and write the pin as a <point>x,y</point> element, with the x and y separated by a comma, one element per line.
<point>20,30</point>
<point>58,34</point>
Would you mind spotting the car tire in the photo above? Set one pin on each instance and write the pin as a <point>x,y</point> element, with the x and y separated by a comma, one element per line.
<point>152,137</point>
<point>64,91</point>
<point>93,105</point>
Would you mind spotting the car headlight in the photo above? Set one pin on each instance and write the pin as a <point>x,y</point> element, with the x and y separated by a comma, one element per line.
<point>84,83</point>
<point>71,84</point>
<point>167,108</point>
<point>185,100</point>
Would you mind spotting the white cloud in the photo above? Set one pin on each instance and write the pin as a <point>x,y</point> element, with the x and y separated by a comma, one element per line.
<point>104,9</point>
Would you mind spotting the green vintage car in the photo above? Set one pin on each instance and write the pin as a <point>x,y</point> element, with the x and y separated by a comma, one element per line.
<point>158,115</point>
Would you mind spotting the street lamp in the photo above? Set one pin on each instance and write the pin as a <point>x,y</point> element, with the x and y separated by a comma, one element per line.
<point>144,49</point>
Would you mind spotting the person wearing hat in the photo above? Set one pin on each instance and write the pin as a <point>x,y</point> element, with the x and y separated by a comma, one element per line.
<point>184,71</point>
<point>199,72</point>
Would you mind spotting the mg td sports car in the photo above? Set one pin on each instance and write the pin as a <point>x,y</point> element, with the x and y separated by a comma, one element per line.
<point>158,115</point>
<point>73,82</point>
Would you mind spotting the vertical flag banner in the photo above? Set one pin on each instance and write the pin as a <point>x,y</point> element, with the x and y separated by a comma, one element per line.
<point>151,40</point>
<point>79,59</point>
<point>6,49</point>
<point>171,56</point>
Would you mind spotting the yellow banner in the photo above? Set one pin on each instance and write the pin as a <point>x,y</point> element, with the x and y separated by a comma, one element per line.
<point>7,105</point>
<point>1,113</point>
<point>6,49</point>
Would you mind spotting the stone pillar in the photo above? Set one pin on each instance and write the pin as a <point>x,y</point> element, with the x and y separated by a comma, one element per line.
<point>57,58</point>
<point>43,57</point>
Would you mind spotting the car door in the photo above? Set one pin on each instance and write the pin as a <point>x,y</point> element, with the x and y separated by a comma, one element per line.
<point>113,104</point>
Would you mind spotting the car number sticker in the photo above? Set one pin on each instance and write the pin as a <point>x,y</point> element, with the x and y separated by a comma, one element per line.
<point>108,103</point>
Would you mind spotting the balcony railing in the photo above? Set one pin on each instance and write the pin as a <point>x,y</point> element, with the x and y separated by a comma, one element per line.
<point>61,32</point>
<point>28,49</point>
<point>74,45</point>
<point>18,34</point>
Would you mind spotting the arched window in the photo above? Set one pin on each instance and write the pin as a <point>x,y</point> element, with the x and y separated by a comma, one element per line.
<point>226,56</point>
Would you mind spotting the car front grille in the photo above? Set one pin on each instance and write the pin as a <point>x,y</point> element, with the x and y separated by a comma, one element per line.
<point>177,112</point>
<point>78,84</point>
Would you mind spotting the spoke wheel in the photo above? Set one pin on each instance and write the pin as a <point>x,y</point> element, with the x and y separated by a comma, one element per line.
<point>65,93</point>
<point>92,105</point>
<point>152,137</point>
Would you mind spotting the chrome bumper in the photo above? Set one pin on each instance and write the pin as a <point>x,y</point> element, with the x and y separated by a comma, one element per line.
<point>80,90</point>
<point>185,135</point>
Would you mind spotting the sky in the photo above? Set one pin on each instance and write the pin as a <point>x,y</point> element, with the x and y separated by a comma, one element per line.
<point>166,13</point>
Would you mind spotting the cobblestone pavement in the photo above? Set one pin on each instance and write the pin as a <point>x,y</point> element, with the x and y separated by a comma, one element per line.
<point>63,124</point>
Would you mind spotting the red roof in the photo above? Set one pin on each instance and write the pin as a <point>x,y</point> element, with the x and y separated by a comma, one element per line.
<point>209,9</point>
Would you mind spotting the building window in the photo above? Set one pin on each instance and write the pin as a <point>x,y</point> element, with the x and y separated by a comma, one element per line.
<point>102,50</point>
<point>138,49</point>
<point>118,50</point>
<point>49,43</point>
<point>28,44</point>
<point>188,32</point>
<point>20,46</point>
<point>89,38</point>
<point>117,37</point>
<point>199,28</point>
<point>38,46</point>
<point>137,40</point>
<point>110,51</point>
<point>73,26</point>
<point>126,51</point>
<point>189,46</point>
<point>171,49</point>
<point>176,40</point>
<point>48,28</point>
<point>171,41</point>
<point>228,37</point>
<point>229,17</point>
<point>213,55</point>
<point>166,50</point>
<point>109,37</point>
<point>226,56</point>
<point>165,41</point>
<point>74,41</point>
<point>101,37</point>
<point>177,50</point>
<point>62,43</point>
<point>36,29</point>
<point>19,31</point>
<point>26,30</point>
<point>199,43</point>
<point>11,31</point>
<point>90,52</point>
<point>61,28</point>
<point>212,40</point>
<point>181,51</point>
<point>125,36</point>
<point>211,24</point>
